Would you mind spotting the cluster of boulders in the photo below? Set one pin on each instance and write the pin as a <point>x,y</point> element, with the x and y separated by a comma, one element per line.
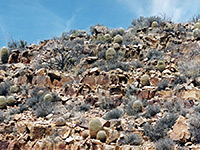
<point>112,89</point>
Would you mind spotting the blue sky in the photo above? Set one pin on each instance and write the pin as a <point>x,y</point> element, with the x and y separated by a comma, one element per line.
<point>35,20</point>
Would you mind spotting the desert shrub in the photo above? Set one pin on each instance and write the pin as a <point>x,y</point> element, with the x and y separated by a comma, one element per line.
<point>178,79</point>
<point>106,103</point>
<point>84,107</point>
<point>66,56</point>
<point>5,87</point>
<point>113,114</point>
<point>132,139</point>
<point>23,107</point>
<point>194,125</point>
<point>163,84</point>
<point>12,111</point>
<point>37,97</point>
<point>154,54</point>
<point>152,110</point>
<point>190,69</point>
<point>161,128</point>
<point>142,22</point>
<point>1,116</point>
<point>174,106</point>
<point>137,64</point>
<point>66,35</point>
<point>43,108</point>
<point>165,144</point>
<point>153,133</point>
<point>130,39</point>
<point>21,45</point>
<point>133,106</point>
<point>111,65</point>
<point>195,18</point>
<point>131,91</point>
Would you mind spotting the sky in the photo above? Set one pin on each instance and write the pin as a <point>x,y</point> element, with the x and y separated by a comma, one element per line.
<point>36,20</point>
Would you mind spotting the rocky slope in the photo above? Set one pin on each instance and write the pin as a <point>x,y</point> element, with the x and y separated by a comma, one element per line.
<point>112,89</point>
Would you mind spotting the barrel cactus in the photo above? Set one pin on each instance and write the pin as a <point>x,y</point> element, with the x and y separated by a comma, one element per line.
<point>4,54</point>
<point>196,33</point>
<point>137,106</point>
<point>101,135</point>
<point>118,39</point>
<point>154,24</point>
<point>48,98</point>
<point>95,126</point>
<point>161,65</point>
<point>14,89</point>
<point>110,54</point>
<point>10,100</point>
<point>2,102</point>
<point>145,81</point>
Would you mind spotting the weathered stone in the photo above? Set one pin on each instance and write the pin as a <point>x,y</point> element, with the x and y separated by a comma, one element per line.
<point>42,81</point>
<point>180,130</point>
<point>90,80</point>
<point>38,131</point>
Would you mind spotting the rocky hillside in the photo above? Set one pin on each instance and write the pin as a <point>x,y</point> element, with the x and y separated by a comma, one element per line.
<point>111,89</point>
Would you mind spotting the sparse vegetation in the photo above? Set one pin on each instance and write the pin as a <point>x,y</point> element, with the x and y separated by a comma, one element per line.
<point>165,144</point>
<point>152,110</point>
<point>163,84</point>
<point>113,114</point>
<point>132,139</point>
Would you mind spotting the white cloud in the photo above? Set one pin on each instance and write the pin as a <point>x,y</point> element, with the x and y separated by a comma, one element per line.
<point>177,10</point>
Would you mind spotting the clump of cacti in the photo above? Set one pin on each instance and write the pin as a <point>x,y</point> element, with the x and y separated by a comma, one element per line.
<point>10,100</point>
<point>48,98</point>
<point>154,24</point>
<point>110,54</point>
<point>196,33</point>
<point>137,106</point>
<point>160,65</point>
<point>145,81</point>
<point>101,135</point>
<point>4,53</point>
<point>2,102</point>
<point>118,39</point>
<point>95,126</point>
